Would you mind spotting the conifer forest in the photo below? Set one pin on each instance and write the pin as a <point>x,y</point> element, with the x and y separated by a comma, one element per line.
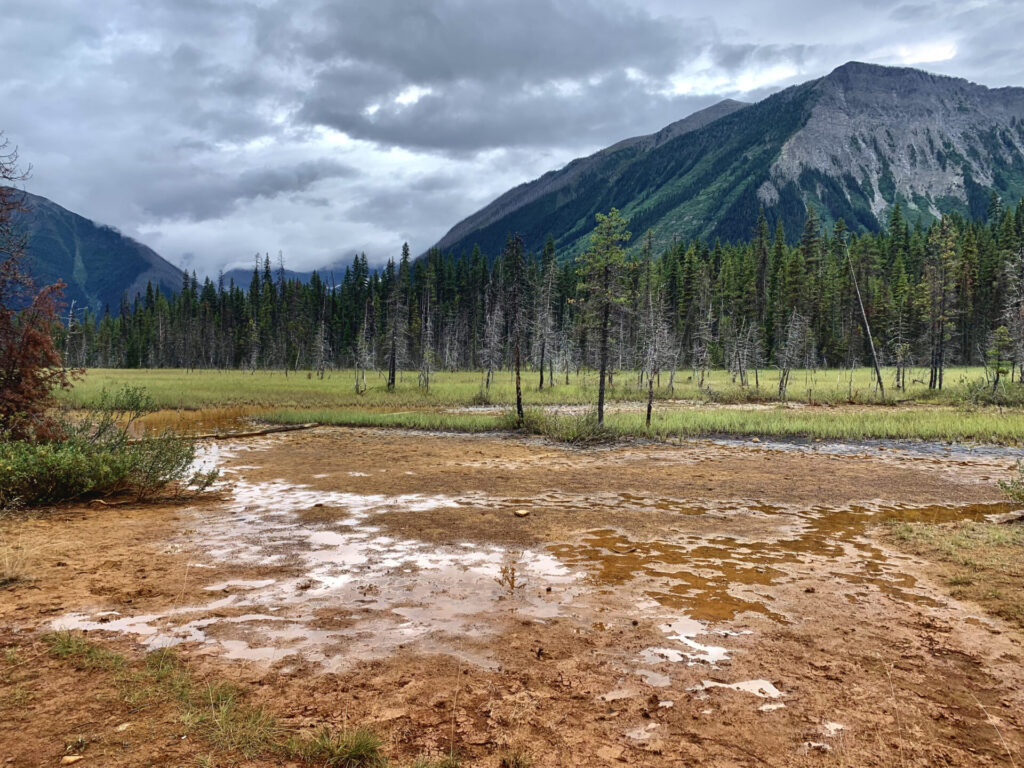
<point>951,293</point>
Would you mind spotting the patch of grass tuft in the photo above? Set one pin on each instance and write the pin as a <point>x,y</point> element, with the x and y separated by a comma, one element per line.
<point>448,761</point>
<point>572,428</point>
<point>357,748</point>
<point>218,713</point>
<point>68,645</point>
<point>516,758</point>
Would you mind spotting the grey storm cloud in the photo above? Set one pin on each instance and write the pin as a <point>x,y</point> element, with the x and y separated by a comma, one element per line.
<point>212,130</point>
<point>215,195</point>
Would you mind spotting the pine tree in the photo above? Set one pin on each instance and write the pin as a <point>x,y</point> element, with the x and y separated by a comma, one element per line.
<point>601,269</point>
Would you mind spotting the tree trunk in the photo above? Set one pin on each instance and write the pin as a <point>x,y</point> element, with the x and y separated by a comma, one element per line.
<point>519,387</point>
<point>392,363</point>
<point>650,398</point>
<point>606,311</point>
<point>543,344</point>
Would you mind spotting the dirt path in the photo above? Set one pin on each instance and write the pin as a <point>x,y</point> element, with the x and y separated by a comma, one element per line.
<point>712,604</point>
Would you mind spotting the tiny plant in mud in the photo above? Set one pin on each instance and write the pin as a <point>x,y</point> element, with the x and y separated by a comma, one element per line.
<point>509,578</point>
<point>14,563</point>
<point>76,745</point>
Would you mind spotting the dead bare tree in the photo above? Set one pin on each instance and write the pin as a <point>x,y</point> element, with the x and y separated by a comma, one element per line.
<point>703,336</point>
<point>1013,314</point>
<point>494,321</point>
<point>365,352</point>
<point>543,317</point>
<point>655,334</point>
<point>867,325</point>
<point>426,342</point>
<point>321,348</point>
<point>793,350</point>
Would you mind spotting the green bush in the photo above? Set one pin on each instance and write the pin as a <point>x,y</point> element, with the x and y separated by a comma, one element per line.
<point>98,457</point>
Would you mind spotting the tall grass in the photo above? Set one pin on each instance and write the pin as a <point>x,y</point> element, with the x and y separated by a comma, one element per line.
<point>931,424</point>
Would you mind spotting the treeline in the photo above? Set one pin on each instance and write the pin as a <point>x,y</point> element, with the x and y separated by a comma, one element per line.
<point>951,293</point>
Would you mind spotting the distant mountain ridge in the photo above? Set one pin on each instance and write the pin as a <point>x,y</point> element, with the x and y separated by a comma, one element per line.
<point>851,143</point>
<point>97,262</point>
<point>100,265</point>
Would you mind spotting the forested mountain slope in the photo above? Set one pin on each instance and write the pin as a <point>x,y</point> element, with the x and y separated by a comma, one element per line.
<point>851,143</point>
<point>98,263</point>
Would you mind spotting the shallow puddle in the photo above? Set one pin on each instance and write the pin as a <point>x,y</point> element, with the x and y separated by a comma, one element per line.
<point>381,592</point>
<point>205,421</point>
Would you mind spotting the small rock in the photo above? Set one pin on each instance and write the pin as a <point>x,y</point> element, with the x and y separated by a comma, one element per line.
<point>522,513</point>
<point>755,439</point>
<point>816,746</point>
<point>123,727</point>
<point>71,759</point>
<point>810,590</point>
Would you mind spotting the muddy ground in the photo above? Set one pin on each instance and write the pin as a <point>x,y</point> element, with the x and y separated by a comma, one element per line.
<point>709,603</point>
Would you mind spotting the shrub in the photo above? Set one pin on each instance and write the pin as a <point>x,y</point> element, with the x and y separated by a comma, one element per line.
<point>98,457</point>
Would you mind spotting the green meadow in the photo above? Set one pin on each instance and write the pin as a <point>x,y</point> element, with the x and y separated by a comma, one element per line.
<point>825,404</point>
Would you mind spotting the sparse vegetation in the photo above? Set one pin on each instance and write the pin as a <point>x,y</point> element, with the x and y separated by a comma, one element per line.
<point>979,561</point>
<point>1013,488</point>
<point>217,711</point>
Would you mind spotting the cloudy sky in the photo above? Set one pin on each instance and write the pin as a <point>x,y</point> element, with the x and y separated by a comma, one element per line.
<point>215,129</point>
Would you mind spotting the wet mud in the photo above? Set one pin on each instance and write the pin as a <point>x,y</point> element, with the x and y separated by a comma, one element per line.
<point>710,603</point>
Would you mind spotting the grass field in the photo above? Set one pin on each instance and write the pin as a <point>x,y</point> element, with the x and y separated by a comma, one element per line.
<point>821,404</point>
<point>175,388</point>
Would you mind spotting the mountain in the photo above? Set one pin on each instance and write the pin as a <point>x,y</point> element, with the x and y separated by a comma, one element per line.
<point>97,262</point>
<point>243,277</point>
<point>851,143</point>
